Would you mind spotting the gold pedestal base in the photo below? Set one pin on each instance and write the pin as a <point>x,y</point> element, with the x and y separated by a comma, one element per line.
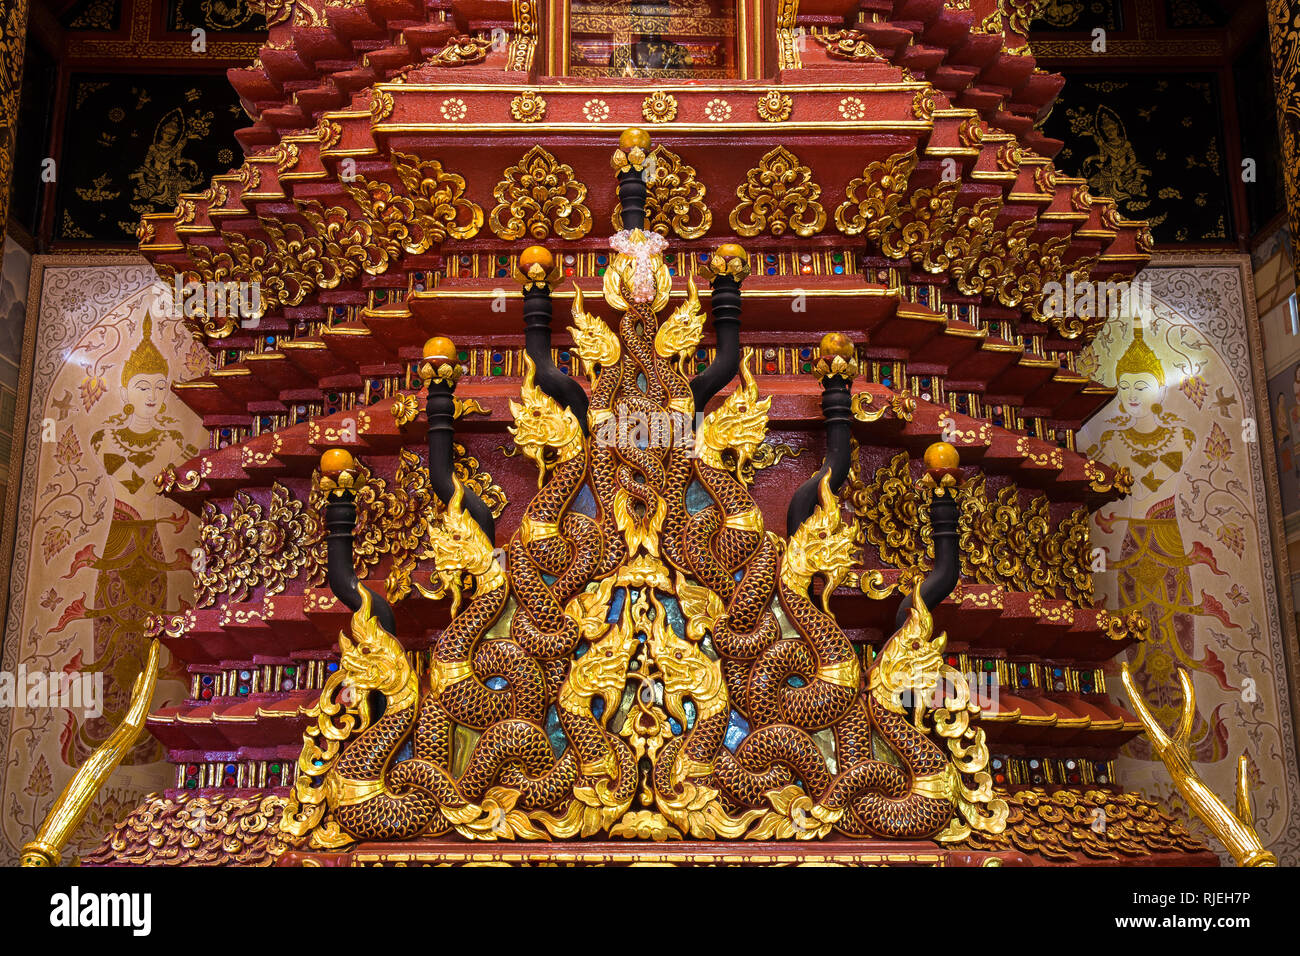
<point>677,853</point>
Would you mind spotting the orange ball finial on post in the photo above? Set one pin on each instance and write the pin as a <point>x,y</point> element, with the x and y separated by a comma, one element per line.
<point>836,356</point>
<point>439,349</point>
<point>439,361</point>
<point>836,343</point>
<point>943,464</point>
<point>339,473</point>
<point>336,461</point>
<point>536,255</point>
<point>632,137</point>
<point>730,259</point>
<point>537,268</point>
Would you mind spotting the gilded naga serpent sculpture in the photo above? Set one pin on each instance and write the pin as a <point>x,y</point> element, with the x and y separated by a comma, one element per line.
<point>648,660</point>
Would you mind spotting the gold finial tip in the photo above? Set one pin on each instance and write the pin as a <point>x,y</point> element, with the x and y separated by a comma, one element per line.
<point>732,250</point>
<point>837,343</point>
<point>336,461</point>
<point>439,349</point>
<point>536,256</point>
<point>942,458</point>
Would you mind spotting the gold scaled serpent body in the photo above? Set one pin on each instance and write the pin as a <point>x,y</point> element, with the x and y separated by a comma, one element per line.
<point>647,641</point>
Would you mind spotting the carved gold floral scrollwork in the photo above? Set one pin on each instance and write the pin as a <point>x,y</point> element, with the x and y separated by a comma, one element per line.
<point>165,831</point>
<point>1061,825</point>
<point>381,105</point>
<point>659,107</point>
<point>285,155</point>
<point>184,212</point>
<point>1019,14</point>
<point>304,12</point>
<point>977,255</point>
<point>767,454</point>
<point>675,199</point>
<point>170,480</point>
<point>1075,547</point>
<point>249,177</point>
<point>528,106</point>
<point>1010,155</point>
<point>918,222</point>
<point>847,45</point>
<point>405,409</point>
<point>540,195</point>
<point>778,195</point>
<point>292,262</point>
<point>327,133</point>
<point>250,546</point>
<point>410,529</point>
<point>1131,626</point>
<point>889,513</point>
<point>1000,538</point>
<point>966,243</point>
<point>215,195</point>
<point>775,107</point>
<point>971,133</point>
<point>873,199</point>
<point>1005,539</point>
<point>923,105</point>
<point>431,208</point>
<point>462,51</point>
<point>1120,479</point>
<point>295,261</point>
<point>965,248</point>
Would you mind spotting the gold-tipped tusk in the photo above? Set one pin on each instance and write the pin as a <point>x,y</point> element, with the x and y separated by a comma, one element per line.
<point>1244,812</point>
<point>71,806</point>
<point>1234,831</point>
<point>1185,721</point>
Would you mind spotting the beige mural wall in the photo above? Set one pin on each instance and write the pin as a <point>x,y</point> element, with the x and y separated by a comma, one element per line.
<point>96,549</point>
<point>1192,548</point>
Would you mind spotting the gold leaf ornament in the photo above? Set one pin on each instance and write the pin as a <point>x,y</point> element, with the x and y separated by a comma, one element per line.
<point>659,107</point>
<point>674,197</point>
<point>775,107</point>
<point>528,107</point>
<point>539,196</point>
<point>778,195</point>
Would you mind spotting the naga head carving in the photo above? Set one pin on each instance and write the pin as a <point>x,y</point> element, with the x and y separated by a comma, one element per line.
<point>910,661</point>
<point>823,545</point>
<point>739,424</point>
<point>458,547</point>
<point>686,671</point>
<point>541,424</point>
<point>593,340</point>
<point>373,659</point>
<point>601,672</point>
<point>680,335</point>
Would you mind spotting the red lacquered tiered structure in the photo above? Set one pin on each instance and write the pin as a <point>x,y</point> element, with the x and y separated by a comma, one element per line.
<point>878,161</point>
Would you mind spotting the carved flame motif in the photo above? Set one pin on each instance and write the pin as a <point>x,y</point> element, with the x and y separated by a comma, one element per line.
<point>643,604</point>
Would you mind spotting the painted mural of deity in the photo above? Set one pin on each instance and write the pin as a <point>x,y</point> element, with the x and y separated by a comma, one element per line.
<point>98,550</point>
<point>1153,567</point>
<point>133,445</point>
